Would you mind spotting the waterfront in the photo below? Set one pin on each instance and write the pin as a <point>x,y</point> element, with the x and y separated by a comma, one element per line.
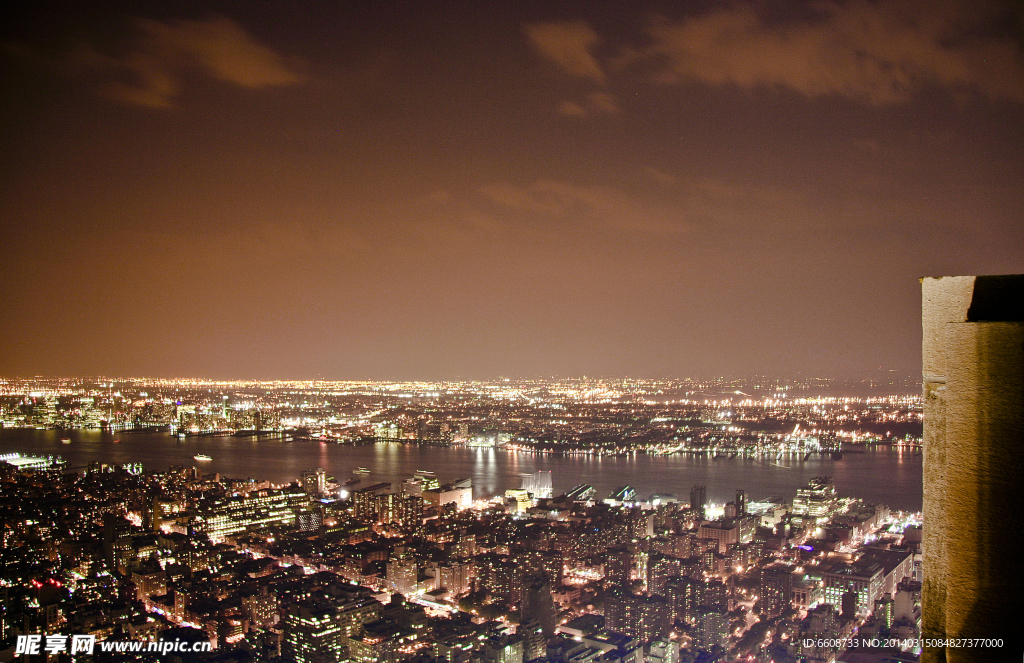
<point>887,475</point>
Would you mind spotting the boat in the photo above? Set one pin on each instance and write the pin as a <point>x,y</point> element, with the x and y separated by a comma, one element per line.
<point>202,457</point>
<point>360,470</point>
<point>65,440</point>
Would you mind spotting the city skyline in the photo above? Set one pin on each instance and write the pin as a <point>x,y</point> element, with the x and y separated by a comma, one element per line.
<point>404,192</point>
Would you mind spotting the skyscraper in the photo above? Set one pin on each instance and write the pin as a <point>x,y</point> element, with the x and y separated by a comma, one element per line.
<point>538,605</point>
<point>699,498</point>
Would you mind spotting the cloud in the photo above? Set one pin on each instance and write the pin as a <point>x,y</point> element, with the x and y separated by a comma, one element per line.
<point>568,45</point>
<point>660,176</point>
<point>151,73</point>
<point>592,104</point>
<point>555,200</point>
<point>879,53</point>
<point>572,109</point>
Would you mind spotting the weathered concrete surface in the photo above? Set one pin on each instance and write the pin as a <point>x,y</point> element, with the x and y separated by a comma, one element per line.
<point>973,367</point>
<point>943,300</point>
<point>984,430</point>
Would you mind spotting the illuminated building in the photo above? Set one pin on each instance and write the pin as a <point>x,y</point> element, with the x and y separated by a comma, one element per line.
<point>662,651</point>
<point>581,493</point>
<point>384,644</point>
<point>314,636</point>
<point>162,511</point>
<point>428,480</point>
<point>504,649</point>
<point>973,372</point>
<point>262,508</point>
<point>807,591</point>
<point>884,610</point>
<point>459,492</point>
<point>314,482</point>
<point>815,504</point>
<point>501,577</point>
<point>864,578</point>
<point>518,499</point>
<point>457,577</point>
<point>534,639</point>
<point>364,501</point>
<point>724,532</point>
<point>547,563</point>
<point>260,608</point>
<point>622,494</point>
<point>150,580</point>
<point>684,595</point>
<point>376,504</point>
<point>776,591</point>
<point>618,565</point>
<point>659,569</point>
<point>711,628</point>
<point>714,593</point>
<point>23,462</point>
<point>402,574</point>
<point>616,646</point>
<point>321,634</point>
<point>896,564</point>
<point>538,484</point>
<point>642,617</point>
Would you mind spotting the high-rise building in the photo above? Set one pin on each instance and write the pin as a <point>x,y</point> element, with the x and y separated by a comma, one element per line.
<point>776,590</point>
<point>314,482</point>
<point>319,634</point>
<point>699,498</point>
<point>660,568</point>
<point>712,628</point>
<point>402,573</point>
<point>973,371</point>
<point>538,605</point>
<point>534,640</point>
<point>456,577</point>
<point>364,500</point>
<point>117,542</point>
<point>618,565</point>
<point>642,617</point>
<point>684,595</point>
<point>816,503</point>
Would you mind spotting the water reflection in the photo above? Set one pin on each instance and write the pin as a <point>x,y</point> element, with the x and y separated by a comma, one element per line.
<point>892,476</point>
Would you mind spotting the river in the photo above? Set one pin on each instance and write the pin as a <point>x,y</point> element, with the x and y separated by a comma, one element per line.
<point>885,475</point>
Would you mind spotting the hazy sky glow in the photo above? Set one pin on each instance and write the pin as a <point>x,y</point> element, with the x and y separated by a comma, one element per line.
<point>438,190</point>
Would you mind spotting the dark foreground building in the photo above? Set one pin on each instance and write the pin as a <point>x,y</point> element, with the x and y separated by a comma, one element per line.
<point>973,364</point>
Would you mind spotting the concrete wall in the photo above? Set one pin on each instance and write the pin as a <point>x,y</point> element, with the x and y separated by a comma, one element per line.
<point>973,370</point>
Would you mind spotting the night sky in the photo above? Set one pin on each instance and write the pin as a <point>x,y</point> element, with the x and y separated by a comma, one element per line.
<point>431,190</point>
